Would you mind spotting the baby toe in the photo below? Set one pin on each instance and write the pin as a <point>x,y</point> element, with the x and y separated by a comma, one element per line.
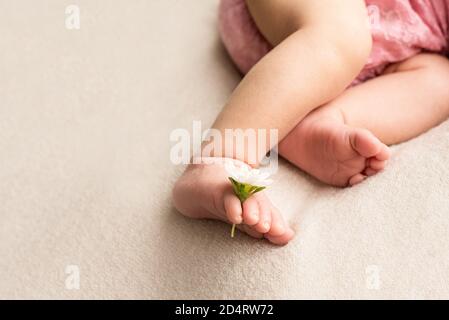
<point>369,172</point>
<point>250,231</point>
<point>364,142</point>
<point>251,211</point>
<point>264,224</point>
<point>377,165</point>
<point>277,223</point>
<point>233,208</point>
<point>283,239</point>
<point>358,178</point>
<point>384,153</point>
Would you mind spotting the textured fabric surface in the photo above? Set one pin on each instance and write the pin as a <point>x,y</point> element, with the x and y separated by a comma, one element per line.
<point>400,29</point>
<point>85,176</point>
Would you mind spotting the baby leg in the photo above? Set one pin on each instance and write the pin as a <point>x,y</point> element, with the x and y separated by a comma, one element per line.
<point>314,59</point>
<point>407,100</point>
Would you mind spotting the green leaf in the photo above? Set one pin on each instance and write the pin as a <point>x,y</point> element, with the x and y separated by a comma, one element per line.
<point>258,189</point>
<point>243,191</point>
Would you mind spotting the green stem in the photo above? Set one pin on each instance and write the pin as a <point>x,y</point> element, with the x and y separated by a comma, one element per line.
<point>233,230</point>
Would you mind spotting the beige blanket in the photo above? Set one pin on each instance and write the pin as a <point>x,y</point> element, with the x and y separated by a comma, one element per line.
<point>85,175</point>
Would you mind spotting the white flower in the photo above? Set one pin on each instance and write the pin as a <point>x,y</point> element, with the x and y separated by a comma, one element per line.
<point>243,173</point>
<point>245,180</point>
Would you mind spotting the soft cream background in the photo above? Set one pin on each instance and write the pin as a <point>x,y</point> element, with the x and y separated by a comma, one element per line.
<point>85,176</point>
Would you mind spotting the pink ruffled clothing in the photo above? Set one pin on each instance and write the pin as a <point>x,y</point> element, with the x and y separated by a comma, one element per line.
<point>400,30</point>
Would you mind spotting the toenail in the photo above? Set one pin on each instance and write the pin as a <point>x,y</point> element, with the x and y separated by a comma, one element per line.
<point>254,215</point>
<point>266,225</point>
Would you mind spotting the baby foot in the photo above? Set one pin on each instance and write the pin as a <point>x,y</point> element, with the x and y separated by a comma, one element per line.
<point>333,152</point>
<point>204,192</point>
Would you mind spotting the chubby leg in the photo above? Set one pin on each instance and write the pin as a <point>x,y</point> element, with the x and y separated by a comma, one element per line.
<point>409,99</point>
<point>344,141</point>
<point>314,59</point>
<point>317,54</point>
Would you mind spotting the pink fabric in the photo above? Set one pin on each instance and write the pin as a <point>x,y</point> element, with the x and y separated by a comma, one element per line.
<point>400,29</point>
